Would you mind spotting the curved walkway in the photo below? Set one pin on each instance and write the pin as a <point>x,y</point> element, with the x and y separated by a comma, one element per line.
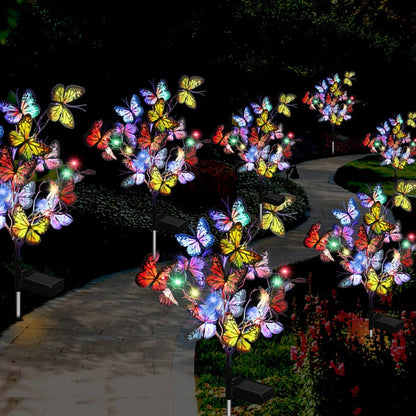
<point>109,348</point>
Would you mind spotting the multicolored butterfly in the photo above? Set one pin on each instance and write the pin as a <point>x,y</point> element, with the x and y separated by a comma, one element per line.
<point>194,266</point>
<point>376,221</point>
<point>356,269</point>
<point>238,253</point>
<point>208,316</point>
<point>243,120</point>
<point>265,124</point>
<point>187,86</point>
<point>266,169</point>
<point>235,304</point>
<point>166,298</point>
<point>50,160</point>
<point>28,146</point>
<point>366,243</point>
<point>240,339</point>
<point>27,230</point>
<point>224,221</point>
<point>277,301</point>
<point>139,168</point>
<point>150,97</point>
<point>58,110</point>
<point>147,141</point>
<point>18,174</point>
<point>350,216</point>
<point>368,201</point>
<point>260,269</point>
<point>149,276</point>
<point>126,132</point>
<point>229,282</point>
<point>50,208</point>
<point>162,184</point>
<point>345,232</point>
<point>95,138</point>
<point>131,113</point>
<point>402,189</point>
<point>314,240</point>
<point>27,106</point>
<point>394,234</point>
<point>159,118</point>
<point>284,101</point>
<point>381,285</point>
<point>265,105</point>
<point>197,244</point>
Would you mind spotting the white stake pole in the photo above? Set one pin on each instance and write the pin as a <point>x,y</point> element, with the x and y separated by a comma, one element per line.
<point>154,244</point>
<point>18,305</point>
<point>228,407</point>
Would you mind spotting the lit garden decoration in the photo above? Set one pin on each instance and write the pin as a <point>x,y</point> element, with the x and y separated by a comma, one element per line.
<point>372,253</point>
<point>147,143</point>
<point>211,276</point>
<point>261,144</point>
<point>394,143</point>
<point>36,187</point>
<point>332,101</point>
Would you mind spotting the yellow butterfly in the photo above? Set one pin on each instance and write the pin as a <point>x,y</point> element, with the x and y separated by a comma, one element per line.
<point>402,188</point>
<point>270,219</point>
<point>347,77</point>
<point>411,120</point>
<point>29,231</point>
<point>162,184</point>
<point>239,254</point>
<point>284,100</point>
<point>28,146</point>
<point>58,110</point>
<point>240,339</point>
<point>265,169</point>
<point>186,85</point>
<point>375,221</point>
<point>334,119</point>
<point>264,123</point>
<point>378,284</point>
<point>398,162</point>
<point>160,119</point>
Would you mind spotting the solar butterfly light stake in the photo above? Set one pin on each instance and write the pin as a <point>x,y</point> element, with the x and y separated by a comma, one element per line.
<point>142,140</point>
<point>258,141</point>
<point>394,143</point>
<point>36,186</point>
<point>332,101</point>
<point>210,278</point>
<point>372,253</point>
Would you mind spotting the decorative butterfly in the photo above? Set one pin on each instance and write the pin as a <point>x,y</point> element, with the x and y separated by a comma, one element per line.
<point>28,231</point>
<point>256,140</point>
<point>284,101</point>
<point>186,90</point>
<point>27,106</point>
<point>126,132</point>
<point>224,221</point>
<point>277,301</point>
<point>18,174</point>
<point>28,146</point>
<point>24,196</point>
<point>50,208</point>
<point>149,276</point>
<point>240,339</point>
<point>58,110</point>
<point>166,298</point>
<point>63,190</point>
<point>159,118</point>
<point>243,120</point>
<point>314,240</point>
<point>50,160</point>
<point>220,138</point>
<point>376,222</point>
<point>349,216</point>
<point>178,132</point>
<point>196,244</point>
<point>147,141</point>
<point>378,284</point>
<point>238,254</point>
<point>394,234</point>
<point>411,120</point>
<point>262,121</point>
<point>235,304</point>
<point>348,76</point>
<point>150,97</point>
<point>266,169</point>
<point>208,316</point>
<point>195,266</point>
<point>95,138</point>
<point>131,113</point>
<point>138,167</point>
<point>378,196</point>
<point>270,219</point>
<point>277,158</point>
<point>394,269</point>
<point>367,244</point>
<point>356,269</point>
<point>259,269</point>
<point>346,233</point>
<point>162,184</point>
<point>229,282</point>
<point>265,105</point>
<point>402,189</point>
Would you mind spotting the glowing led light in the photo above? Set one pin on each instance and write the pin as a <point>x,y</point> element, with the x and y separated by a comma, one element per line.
<point>286,140</point>
<point>276,281</point>
<point>233,140</point>
<point>66,173</point>
<point>74,163</point>
<point>128,150</point>
<point>284,271</point>
<point>406,243</point>
<point>190,142</point>
<point>377,143</point>
<point>115,142</point>
<point>333,244</point>
<point>196,134</point>
<point>177,280</point>
<point>411,236</point>
<point>291,135</point>
<point>194,292</point>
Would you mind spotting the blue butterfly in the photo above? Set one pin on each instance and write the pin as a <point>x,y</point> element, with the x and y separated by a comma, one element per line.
<point>224,222</point>
<point>133,113</point>
<point>150,97</point>
<point>265,105</point>
<point>197,244</point>
<point>350,216</point>
<point>243,120</point>
<point>208,316</point>
<point>368,201</point>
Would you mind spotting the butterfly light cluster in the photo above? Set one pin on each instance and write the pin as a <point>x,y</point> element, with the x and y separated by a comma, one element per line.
<point>331,99</point>
<point>147,141</point>
<point>393,142</point>
<point>370,245</point>
<point>256,137</point>
<point>211,276</point>
<point>36,186</point>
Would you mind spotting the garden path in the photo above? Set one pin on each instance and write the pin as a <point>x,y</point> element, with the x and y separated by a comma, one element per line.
<point>108,348</point>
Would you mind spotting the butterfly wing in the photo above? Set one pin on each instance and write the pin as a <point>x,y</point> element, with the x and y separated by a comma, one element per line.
<point>29,231</point>
<point>186,86</point>
<point>234,338</point>
<point>149,276</point>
